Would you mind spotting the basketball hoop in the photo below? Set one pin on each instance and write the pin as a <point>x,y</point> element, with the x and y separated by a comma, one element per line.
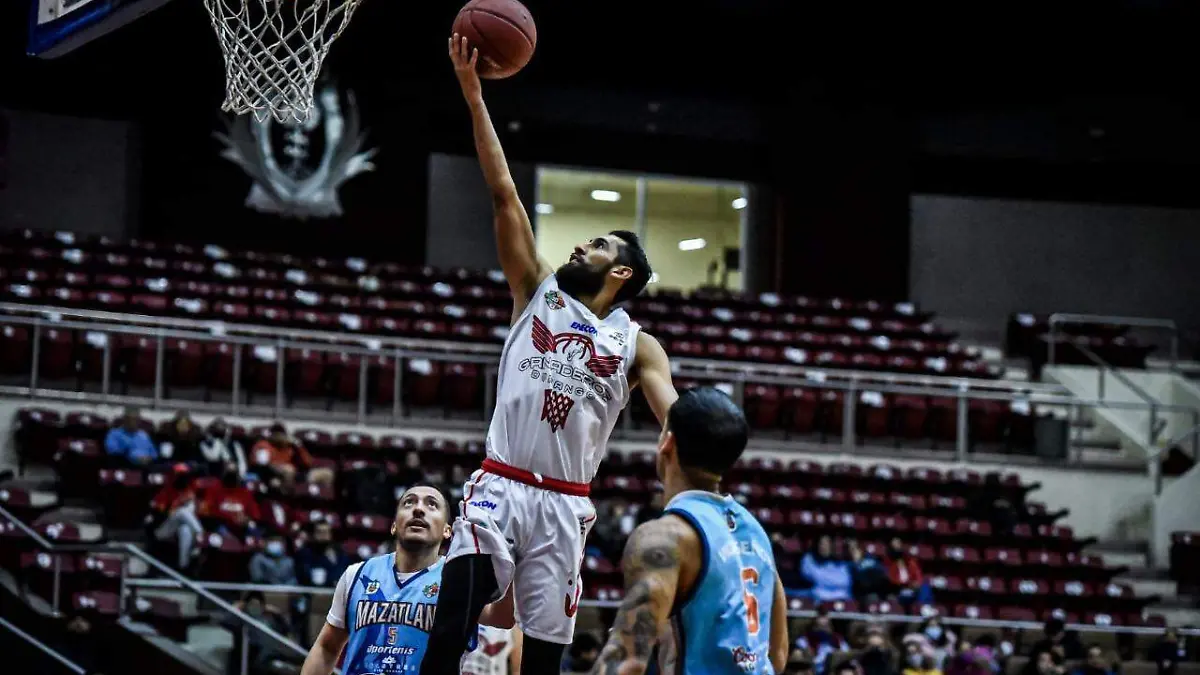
<point>274,50</point>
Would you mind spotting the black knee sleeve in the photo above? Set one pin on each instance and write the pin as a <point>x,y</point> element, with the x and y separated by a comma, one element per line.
<point>539,657</point>
<point>468,585</point>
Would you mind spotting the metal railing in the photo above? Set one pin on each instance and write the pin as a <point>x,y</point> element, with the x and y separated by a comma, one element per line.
<point>1156,424</point>
<point>376,344</point>
<point>247,623</point>
<point>794,613</point>
<point>853,387</point>
<point>1064,318</point>
<point>42,647</point>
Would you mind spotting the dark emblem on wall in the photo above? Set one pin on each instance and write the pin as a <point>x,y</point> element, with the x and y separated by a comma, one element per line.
<point>298,167</point>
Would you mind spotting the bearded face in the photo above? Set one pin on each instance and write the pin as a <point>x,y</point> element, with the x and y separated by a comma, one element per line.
<point>579,279</point>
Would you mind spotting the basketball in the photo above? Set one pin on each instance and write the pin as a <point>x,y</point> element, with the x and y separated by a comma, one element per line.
<point>504,33</point>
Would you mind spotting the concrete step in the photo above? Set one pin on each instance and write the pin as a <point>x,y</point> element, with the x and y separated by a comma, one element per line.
<point>1176,616</point>
<point>1131,554</point>
<point>1163,588</point>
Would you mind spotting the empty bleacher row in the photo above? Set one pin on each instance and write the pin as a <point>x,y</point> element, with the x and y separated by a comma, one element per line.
<point>356,296</point>
<point>1026,569</point>
<point>1029,335</point>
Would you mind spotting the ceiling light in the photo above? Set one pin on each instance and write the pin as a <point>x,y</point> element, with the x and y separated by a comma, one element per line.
<point>692,244</point>
<point>739,203</point>
<point>544,209</point>
<point>606,195</point>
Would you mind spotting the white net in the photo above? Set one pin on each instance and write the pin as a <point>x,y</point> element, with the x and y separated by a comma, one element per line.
<point>274,50</point>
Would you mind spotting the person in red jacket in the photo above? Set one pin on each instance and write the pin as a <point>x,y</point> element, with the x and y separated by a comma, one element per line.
<point>231,504</point>
<point>904,573</point>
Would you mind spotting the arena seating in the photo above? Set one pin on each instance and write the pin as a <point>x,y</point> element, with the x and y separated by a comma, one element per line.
<point>1027,335</point>
<point>358,296</point>
<point>976,570</point>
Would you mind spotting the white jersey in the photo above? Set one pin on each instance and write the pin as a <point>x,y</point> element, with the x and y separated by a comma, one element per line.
<point>564,379</point>
<point>490,657</point>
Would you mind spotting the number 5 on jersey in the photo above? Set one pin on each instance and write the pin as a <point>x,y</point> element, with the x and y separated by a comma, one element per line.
<point>750,576</point>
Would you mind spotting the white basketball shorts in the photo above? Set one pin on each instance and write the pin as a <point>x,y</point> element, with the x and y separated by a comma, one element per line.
<point>535,537</point>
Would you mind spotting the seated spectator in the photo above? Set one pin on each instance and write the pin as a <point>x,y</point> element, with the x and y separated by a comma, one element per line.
<point>870,576</point>
<point>973,659</point>
<point>230,505</point>
<point>1044,662</point>
<point>800,662</point>
<point>273,565</point>
<point>321,562</point>
<point>1065,644</point>
<point>267,657</point>
<point>220,451</point>
<point>128,444</point>
<point>1097,663</point>
<point>941,640</point>
<point>1168,652</point>
<point>904,575</point>
<point>830,576</point>
<point>822,643</point>
<point>284,458</point>
<point>181,440</point>
<point>919,658</point>
<point>878,657</point>
<point>174,511</point>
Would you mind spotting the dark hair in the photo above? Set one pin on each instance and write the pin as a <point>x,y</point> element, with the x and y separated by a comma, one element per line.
<point>710,430</point>
<point>450,509</point>
<point>254,595</point>
<point>1054,626</point>
<point>634,257</point>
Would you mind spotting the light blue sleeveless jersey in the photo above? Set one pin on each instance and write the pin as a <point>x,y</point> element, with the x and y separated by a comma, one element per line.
<point>389,621</point>
<point>723,625</point>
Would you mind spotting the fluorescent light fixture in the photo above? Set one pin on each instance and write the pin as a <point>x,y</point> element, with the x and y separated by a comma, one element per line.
<point>739,203</point>
<point>692,244</point>
<point>544,209</point>
<point>606,195</point>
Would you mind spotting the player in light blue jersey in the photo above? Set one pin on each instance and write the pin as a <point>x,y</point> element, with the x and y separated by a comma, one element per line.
<point>700,582</point>
<point>383,608</point>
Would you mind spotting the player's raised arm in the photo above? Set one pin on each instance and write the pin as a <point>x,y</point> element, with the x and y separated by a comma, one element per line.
<point>652,565</point>
<point>654,376</point>
<point>514,233</point>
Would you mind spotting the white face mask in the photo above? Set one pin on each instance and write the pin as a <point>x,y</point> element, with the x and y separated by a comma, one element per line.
<point>915,660</point>
<point>275,548</point>
<point>934,632</point>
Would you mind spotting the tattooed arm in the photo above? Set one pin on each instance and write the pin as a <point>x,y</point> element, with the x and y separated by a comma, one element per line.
<point>661,560</point>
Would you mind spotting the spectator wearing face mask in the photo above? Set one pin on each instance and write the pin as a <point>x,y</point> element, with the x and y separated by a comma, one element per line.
<point>919,658</point>
<point>1059,640</point>
<point>272,565</point>
<point>831,576</point>
<point>284,458</point>
<point>1097,663</point>
<point>219,451</point>
<point>181,440</point>
<point>321,562</point>
<point>822,642</point>
<point>941,640</point>
<point>174,511</point>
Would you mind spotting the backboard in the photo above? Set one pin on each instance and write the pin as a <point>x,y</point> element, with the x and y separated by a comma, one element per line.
<point>57,27</point>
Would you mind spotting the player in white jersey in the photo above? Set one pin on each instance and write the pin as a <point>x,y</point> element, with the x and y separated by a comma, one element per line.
<point>569,364</point>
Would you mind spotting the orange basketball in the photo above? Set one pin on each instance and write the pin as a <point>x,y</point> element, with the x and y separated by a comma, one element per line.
<point>504,33</point>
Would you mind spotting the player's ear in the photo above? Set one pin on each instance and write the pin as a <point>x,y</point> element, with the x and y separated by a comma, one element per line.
<point>447,532</point>
<point>621,272</point>
<point>666,444</point>
<point>393,530</point>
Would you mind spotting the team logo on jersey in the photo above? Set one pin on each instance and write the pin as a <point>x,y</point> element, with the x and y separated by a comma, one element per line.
<point>575,347</point>
<point>570,607</point>
<point>744,658</point>
<point>555,408</point>
<point>431,590</point>
<point>584,327</point>
<point>372,587</point>
<point>554,300</point>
